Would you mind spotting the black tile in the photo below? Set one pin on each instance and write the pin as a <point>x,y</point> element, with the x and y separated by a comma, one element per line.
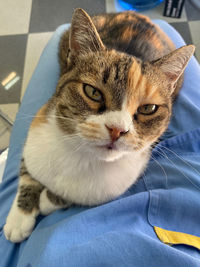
<point>193,13</point>
<point>12,56</point>
<point>47,15</point>
<point>184,30</point>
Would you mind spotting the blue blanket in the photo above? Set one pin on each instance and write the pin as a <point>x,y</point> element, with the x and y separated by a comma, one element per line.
<point>155,223</point>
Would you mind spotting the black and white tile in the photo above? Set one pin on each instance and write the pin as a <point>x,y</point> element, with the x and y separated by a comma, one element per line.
<point>29,24</point>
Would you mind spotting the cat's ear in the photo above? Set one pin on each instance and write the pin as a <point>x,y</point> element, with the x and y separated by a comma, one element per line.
<point>83,34</point>
<point>173,64</point>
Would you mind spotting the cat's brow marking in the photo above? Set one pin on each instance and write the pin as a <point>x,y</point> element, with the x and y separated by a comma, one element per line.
<point>116,71</point>
<point>106,75</point>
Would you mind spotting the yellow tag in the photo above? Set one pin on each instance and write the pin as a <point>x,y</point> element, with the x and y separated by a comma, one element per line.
<point>177,238</point>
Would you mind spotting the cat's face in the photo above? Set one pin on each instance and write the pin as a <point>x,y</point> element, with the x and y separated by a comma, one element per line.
<point>114,103</point>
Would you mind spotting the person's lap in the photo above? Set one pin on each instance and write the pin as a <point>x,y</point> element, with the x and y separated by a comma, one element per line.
<point>112,228</point>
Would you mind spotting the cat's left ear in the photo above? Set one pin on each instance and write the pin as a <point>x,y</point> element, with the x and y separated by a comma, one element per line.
<point>84,37</point>
<point>173,64</point>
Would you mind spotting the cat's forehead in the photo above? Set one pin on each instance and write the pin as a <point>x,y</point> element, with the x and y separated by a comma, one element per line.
<point>109,65</point>
<point>119,77</point>
<point>108,72</point>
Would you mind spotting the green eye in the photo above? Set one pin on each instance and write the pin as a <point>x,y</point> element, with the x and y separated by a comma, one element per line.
<point>148,109</point>
<point>93,93</point>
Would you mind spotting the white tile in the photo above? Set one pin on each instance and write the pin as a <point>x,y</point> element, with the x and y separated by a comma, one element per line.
<point>35,45</point>
<point>14,16</point>
<point>3,157</point>
<point>110,6</point>
<point>10,110</point>
<point>4,138</point>
<point>195,33</point>
<point>154,13</point>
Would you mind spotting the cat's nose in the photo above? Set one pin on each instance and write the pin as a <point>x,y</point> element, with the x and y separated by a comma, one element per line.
<point>115,132</point>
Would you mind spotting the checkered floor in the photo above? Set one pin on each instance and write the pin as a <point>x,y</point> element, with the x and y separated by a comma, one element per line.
<point>27,25</point>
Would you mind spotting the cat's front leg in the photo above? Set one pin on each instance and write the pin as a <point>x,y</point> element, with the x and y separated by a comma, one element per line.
<point>50,202</point>
<point>24,210</point>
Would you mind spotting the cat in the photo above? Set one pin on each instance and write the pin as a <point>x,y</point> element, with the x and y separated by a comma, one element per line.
<point>92,139</point>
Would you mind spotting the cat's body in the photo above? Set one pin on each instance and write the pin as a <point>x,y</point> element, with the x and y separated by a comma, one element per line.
<point>90,142</point>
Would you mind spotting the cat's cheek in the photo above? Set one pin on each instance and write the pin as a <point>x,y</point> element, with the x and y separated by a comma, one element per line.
<point>132,142</point>
<point>91,131</point>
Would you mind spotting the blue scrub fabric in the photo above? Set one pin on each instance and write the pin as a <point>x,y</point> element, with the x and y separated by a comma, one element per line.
<point>121,232</point>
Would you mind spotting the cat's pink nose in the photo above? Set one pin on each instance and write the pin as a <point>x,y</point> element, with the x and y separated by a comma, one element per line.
<point>115,132</point>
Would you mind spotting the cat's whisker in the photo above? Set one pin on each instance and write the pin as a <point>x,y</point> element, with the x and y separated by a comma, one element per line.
<point>158,163</point>
<point>78,148</point>
<point>144,175</point>
<point>70,137</point>
<point>165,156</point>
<point>76,137</point>
<point>180,159</point>
<point>67,139</point>
<point>64,139</point>
<point>44,116</point>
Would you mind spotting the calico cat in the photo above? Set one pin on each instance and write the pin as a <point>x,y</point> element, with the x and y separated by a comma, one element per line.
<point>92,140</point>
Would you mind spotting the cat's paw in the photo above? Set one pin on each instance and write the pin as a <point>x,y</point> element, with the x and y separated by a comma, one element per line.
<point>18,225</point>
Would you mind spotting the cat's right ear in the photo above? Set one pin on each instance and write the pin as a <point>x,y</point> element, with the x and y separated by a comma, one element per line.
<point>83,37</point>
<point>173,64</point>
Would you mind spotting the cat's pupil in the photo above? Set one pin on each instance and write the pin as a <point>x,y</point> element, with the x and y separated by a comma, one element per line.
<point>95,93</point>
<point>147,108</point>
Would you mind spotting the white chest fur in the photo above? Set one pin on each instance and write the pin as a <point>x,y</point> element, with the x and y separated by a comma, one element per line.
<point>76,175</point>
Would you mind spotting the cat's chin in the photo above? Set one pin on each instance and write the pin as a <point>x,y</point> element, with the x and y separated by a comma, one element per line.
<point>107,154</point>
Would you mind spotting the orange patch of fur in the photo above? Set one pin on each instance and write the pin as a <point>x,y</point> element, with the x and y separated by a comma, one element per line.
<point>121,16</point>
<point>152,96</point>
<point>92,125</point>
<point>136,82</point>
<point>147,19</point>
<point>99,21</point>
<point>128,34</point>
<point>141,90</point>
<point>154,40</point>
<point>40,117</point>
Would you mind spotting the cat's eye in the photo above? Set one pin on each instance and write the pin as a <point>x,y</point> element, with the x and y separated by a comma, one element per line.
<point>93,93</point>
<point>148,109</point>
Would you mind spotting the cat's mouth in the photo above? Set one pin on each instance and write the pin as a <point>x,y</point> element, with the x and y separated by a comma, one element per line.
<point>110,146</point>
<point>110,151</point>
